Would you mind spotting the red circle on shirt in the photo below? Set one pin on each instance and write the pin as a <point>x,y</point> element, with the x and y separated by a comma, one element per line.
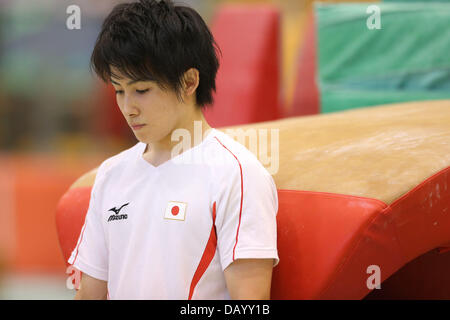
<point>175,210</point>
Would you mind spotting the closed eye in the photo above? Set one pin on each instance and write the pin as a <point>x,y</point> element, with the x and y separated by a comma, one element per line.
<point>138,91</point>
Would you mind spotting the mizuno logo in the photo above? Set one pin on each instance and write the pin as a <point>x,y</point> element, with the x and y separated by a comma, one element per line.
<point>116,215</point>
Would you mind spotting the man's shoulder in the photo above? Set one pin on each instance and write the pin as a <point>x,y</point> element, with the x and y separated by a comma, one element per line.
<point>238,167</point>
<point>232,156</point>
<point>118,160</point>
<point>230,144</point>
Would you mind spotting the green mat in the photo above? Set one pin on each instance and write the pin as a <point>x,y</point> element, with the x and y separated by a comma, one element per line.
<point>407,59</point>
<point>425,1</point>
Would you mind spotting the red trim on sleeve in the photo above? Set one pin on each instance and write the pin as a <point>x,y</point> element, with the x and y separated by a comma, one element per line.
<point>79,243</point>
<point>208,255</point>
<point>242,197</point>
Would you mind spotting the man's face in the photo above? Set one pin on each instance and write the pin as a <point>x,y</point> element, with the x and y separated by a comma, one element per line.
<point>145,103</point>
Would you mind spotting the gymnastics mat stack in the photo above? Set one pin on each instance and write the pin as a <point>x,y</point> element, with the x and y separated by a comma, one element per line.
<point>406,59</point>
<point>362,194</point>
<point>248,80</point>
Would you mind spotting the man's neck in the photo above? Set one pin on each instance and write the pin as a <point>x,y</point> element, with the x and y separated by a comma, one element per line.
<point>160,151</point>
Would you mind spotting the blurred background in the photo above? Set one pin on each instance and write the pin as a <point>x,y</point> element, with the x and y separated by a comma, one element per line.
<point>298,57</point>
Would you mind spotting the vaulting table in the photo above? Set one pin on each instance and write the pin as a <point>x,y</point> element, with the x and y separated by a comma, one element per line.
<point>359,190</point>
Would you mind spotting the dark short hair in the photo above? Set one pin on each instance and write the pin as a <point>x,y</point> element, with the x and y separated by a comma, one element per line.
<point>157,41</point>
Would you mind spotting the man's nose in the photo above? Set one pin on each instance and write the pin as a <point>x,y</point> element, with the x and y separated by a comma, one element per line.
<point>129,106</point>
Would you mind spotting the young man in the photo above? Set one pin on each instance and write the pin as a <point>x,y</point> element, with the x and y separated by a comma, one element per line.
<point>200,225</point>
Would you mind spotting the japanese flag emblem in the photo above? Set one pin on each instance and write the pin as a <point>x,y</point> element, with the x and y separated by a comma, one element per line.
<point>175,211</point>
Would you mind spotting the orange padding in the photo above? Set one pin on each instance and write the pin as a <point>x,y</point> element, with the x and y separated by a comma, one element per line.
<point>327,241</point>
<point>30,187</point>
<point>306,93</point>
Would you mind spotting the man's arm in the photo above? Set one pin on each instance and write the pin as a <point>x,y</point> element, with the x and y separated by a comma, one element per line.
<point>249,279</point>
<point>91,289</point>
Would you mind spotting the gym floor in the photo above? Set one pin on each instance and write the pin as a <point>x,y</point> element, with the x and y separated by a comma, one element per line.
<point>34,287</point>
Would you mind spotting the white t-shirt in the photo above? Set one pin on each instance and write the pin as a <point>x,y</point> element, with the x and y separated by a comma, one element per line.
<point>169,232</point>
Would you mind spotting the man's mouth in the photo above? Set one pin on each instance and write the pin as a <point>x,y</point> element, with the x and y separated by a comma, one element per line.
<point>137,126</point>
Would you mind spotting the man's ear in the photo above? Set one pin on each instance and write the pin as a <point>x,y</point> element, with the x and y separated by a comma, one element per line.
<point>191,79</point>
